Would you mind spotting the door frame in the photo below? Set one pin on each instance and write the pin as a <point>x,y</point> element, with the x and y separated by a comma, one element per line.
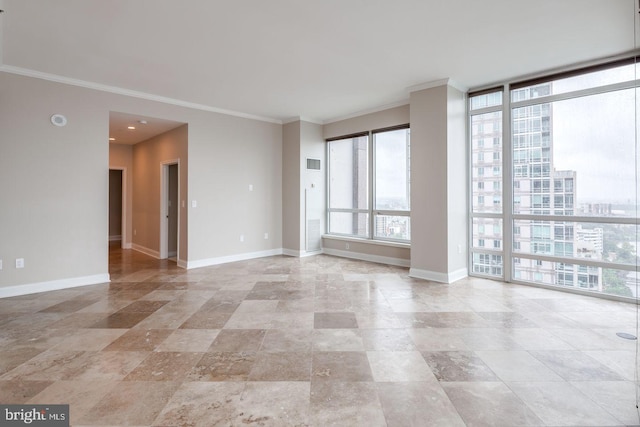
<point>123,193</point>
<point>164,208</point>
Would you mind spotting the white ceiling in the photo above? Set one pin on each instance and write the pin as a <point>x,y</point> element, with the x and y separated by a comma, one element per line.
<point>145,127</point>
<point>315,59</point>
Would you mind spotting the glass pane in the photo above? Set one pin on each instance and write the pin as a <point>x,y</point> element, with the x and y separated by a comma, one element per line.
<point>486,158</point>
<point>486,100</point>
<point>351,223</point>
<point>392,227</point>
<point>569,84</point>
<point>488,264</point>
<point>392,170</point>
<point>575,157</point>
<point>348,173</point>
<point>487,233</point>
<point>600,242</point>
<point>596,279</point>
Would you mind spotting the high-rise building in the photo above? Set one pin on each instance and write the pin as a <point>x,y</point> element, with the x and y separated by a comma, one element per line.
<point>538,189</point>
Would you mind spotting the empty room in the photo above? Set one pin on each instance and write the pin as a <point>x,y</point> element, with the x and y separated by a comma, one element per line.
<point>316,213</point>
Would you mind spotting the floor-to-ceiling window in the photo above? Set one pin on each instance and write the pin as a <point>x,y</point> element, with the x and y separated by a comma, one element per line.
<point>369,184</point>
<point>554,201</point>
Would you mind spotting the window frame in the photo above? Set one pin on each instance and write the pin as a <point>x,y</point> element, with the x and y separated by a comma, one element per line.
<point>371,210</point>
<point>510,171</point>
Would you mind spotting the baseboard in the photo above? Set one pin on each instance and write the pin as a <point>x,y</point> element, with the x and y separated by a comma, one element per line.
<point>126,246</point>
<point>435,276</point>
<point>52,285</point>
<point>367,257</point>
<point>115,238</point>
<point>232,258</point>
<point>300,254</point>
<point>182,263</point>
<point>145,251</point>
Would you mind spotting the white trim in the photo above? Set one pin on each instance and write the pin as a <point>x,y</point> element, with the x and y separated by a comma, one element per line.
<point>182,263</point>
<point>232,258</point>
<point>437,83</point>
<point>367,257</point>
<point>146,251</point>
<point>133,93</point>
<point>367,111</point>
<point>435,276</point>
<point>300,254</point>
<point>115,238</point>
<point>376,242</point>
<point>164,208</point>
<point>301,119</point>
<point>126,245</point>
<point>53,285</point>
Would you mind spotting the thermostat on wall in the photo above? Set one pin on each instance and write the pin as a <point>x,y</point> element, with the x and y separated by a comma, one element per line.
<point>58,120</point>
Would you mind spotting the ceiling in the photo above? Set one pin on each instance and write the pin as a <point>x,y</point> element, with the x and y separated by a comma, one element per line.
<point>145,128</point>
<point>315,59</point>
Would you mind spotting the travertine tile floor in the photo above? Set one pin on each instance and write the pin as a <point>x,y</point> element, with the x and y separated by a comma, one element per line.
<point>316,341</point>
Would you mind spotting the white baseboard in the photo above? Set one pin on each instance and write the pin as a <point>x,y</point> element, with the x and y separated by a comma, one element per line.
<point>126,245</point>
<point>435,276</point>
<point>53,285</point>
<point>300,254</point>
<point>182,263</point>
<point>145,251</point>
<point>232,258</point>
<point>367,257</point>
<point>115,238</point>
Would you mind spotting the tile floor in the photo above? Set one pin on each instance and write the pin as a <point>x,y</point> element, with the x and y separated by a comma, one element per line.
<point>316,341</point>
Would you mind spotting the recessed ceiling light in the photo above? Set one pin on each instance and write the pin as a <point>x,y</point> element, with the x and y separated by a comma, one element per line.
<point>142,122</point>
<point>131,127</point>
<point>111,138</point>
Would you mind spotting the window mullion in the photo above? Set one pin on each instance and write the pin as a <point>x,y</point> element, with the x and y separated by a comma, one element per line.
<point>507,180</point>
<point>372,184</point>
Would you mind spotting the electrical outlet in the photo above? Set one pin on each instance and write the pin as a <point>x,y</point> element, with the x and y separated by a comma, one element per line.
<point>242,237</point>
<point>266,236</point>
<point>347,246</point>
<point>19,262</point>
<point>0,264</point>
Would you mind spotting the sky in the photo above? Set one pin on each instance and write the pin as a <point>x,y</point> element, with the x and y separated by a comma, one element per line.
<point>595,136</point>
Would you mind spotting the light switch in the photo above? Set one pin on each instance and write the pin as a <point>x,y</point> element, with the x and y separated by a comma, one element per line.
<point>194,204</point>
<point>250,187</point>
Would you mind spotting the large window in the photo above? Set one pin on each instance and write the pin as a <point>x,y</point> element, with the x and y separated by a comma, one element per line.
<point>369,189</point>
<point>569,167</point>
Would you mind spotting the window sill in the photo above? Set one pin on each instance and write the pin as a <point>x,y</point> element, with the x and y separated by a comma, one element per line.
<point>367,241</point>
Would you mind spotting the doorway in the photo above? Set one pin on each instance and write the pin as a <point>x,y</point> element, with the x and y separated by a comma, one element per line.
<point>116,206</point>
<point>169,212</point>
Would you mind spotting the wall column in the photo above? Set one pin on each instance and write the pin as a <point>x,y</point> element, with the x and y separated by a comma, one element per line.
<point>303,190</point>
<point>438,183</point>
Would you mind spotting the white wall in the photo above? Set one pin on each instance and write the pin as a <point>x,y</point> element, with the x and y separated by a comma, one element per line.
<point>148,156</point>
<point>54,198</point>
<point>55,212</point>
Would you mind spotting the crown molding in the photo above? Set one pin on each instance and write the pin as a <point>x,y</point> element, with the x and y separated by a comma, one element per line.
<point>437,83</point>
<point>301,119</point>
<point>132,93</point>
<point>368,111</point>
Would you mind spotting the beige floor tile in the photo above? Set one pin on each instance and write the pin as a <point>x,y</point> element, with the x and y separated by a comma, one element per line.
<point>315,341</point>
